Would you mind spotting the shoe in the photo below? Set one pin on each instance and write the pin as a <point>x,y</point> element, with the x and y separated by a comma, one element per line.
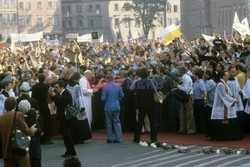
<point>48,142</point>
<point>180,132</point>
<point>69,155</point>
<point>190,133</point>
<point>109,141</point>
<point>136,141</point>
<point>116,141</point>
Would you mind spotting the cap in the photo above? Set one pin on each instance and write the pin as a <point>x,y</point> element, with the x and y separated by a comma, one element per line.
<point>7,79</point>
<point>26,70</point>
<point>25,86</point>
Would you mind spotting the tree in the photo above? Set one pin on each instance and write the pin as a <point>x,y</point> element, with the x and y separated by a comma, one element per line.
<point>147,10</point>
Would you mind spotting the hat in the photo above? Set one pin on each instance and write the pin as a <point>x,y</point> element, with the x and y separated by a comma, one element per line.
<point>26,70</point>
<point>61,69</point>
<point>7,79</point>
<point>176,72</point>
<point>25,87</point>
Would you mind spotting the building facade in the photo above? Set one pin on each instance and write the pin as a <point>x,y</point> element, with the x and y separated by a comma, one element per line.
<point>40,15</point>
<point>211,16</point>
<point>108,17</point>
<point>8,18</point>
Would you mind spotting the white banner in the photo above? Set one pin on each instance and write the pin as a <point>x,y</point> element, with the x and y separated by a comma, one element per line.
<point>53,43</point>
<point>71,36</point>
<point>209,39</point>
<point>27,37</point>
<point>85,38</point>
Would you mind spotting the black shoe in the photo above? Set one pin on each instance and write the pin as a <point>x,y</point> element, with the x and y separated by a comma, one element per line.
<point>109,141</point>
<point>116,141</point>
<point>136,141</point>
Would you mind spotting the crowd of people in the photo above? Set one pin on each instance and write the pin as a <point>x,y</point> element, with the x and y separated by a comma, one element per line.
<point>115,86</point>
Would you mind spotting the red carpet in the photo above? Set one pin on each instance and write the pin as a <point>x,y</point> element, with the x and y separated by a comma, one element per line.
<point>198,139</point>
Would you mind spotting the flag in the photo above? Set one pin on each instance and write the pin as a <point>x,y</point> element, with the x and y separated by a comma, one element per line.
<point>245,24</point>
<point>80,58</point>
<point>101,40</point>
<point>13,44</point>
<point>170,33</point>
<point>242,27</point>
<point>209,39</point>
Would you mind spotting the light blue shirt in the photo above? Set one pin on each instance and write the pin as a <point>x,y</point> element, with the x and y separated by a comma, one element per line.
<point>211,87</point>
<point>187,84</point>
<point>199,88</point>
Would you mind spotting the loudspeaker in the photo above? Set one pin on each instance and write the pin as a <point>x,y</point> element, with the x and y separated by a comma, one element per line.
<point>94,35</point>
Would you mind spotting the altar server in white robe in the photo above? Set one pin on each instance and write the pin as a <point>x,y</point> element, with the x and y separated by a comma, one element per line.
<point>234,86</point>
<point>224,124</point>
<point>246,92</point>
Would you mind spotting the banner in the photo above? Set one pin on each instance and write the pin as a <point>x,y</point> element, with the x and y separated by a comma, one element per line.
<point>88,38</point>
<point>27,37</point>
<point>53,43</point>
<point>71,36</point>
<point>170,33</point>
<point>85,38</point>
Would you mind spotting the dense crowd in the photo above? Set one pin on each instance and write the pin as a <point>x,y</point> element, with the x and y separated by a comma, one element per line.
<point>117,84</point>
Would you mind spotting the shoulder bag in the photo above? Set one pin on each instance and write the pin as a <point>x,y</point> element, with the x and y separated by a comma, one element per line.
<point>19,141</point>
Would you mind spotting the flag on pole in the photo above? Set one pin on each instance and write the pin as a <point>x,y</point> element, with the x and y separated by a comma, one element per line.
<point>170,33</point>
<point>101,40</point>
<point>242,27</point>
<point>209,39</point>
<point>13,44</point>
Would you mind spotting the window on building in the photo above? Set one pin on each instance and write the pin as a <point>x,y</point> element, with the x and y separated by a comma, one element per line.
<point>53,21</point>
<point>90,8</point>
<point>63,24</point>
<point>169,8</point>
<point>21,22</point>
<point>176,21</point>
<point>39,5</point>
<point>6,18</point>
<point>117,22</point>
<point>55,5</point>
<point>160,21</point>
<point>169,21</point>
<point>28,5</point>
<point>28,21</point>
<point>80,23</point>
<point>39,21</point>
<point>56,21</point>
<point>21,5</point>
<point>91,23</point>
<point>12,3</point>
<point>69,24</point>
<point>95,22</point>
<point>50,5</point>
<point>13,18</point>
<point>6,3</point>
<point>68,9</point>
<point>137,22</point>
<point>127,21</point>
<point>78,8</point>
<point>116,7</point>
<point>97,8</point>
<point>175,8</point>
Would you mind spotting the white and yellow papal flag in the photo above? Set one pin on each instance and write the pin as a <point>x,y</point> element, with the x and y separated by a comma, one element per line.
<point>169,33</point>
<point>13,44</point>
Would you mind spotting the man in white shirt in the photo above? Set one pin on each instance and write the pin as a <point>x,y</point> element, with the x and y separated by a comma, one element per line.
<point>187,124</point>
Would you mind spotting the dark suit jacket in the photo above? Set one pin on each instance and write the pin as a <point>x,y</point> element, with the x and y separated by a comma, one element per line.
<point>33,102</point>
<point>145,94</point>
<point>40,92</point>
<point>61,102</point>
<point>6,123</point>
